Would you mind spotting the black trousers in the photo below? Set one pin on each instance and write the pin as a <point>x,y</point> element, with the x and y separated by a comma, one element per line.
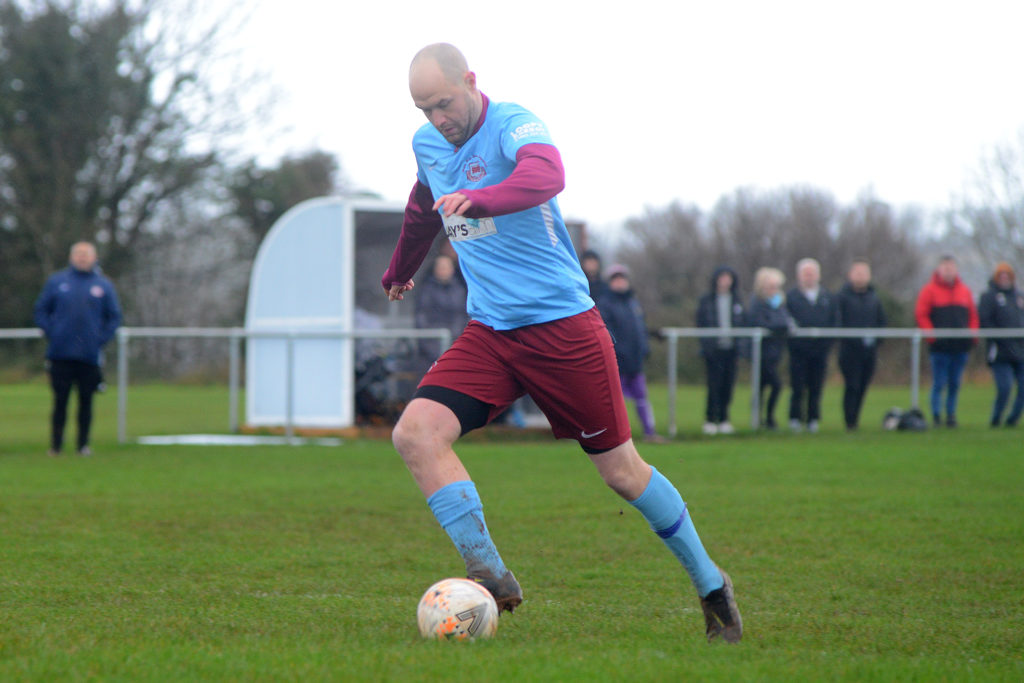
<point>721,370</point>
<point>770,380</point>
<point>857,364</point>
<point>807,376</point>
<point>64,374</point>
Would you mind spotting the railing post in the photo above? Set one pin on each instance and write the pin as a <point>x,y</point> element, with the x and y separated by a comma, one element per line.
<point>915,369</point>
<point>234,356</point>
<point>755,378</point>
<point>122,385</point>
<point>673,342</point>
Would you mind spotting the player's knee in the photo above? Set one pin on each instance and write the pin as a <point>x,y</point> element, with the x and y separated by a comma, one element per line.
<point>404,436</point>
<point>624,471</point>
<point>424,425</point>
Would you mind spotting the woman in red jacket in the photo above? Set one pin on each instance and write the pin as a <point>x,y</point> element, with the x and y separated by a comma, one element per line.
<point>946,302</point>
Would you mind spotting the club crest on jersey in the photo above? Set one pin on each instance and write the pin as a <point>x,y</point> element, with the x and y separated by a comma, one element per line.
<point>475,169</point>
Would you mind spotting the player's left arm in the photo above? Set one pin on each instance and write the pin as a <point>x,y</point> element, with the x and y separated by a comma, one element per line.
<point>537,177</point>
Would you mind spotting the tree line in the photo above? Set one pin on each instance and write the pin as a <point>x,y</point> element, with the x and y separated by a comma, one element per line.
<point>113,129</point>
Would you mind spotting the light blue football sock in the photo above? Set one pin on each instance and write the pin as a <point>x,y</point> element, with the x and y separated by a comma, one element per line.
<point>664,509</point>
<point>458,509</point>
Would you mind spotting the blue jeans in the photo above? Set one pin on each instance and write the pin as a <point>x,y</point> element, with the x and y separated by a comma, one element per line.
<point>1005,375</point>
<point>947,370</point>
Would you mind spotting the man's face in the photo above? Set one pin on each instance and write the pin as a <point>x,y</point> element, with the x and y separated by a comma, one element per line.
<point>947,270</point>
<point>444,269</point>
<point>83,257</point>
<point>619,283</point>
<point>591,266</point>
<point>1004,280</point>
<point>808,276</point>
<point>860,276</point>
<point>451,108</point>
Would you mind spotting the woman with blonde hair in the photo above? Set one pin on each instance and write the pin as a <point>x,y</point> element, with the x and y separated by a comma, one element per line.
<point>767,310</point>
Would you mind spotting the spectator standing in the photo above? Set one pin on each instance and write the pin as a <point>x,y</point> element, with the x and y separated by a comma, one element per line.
<point>809,305</point>
<point>720,308</point>
<point>945,302</point>
<point>590,261</point>
<point>1002,306</point>
<point>440,302</point>
<point>768,310</point>
<point>625,321</point>
<point>859,306</point>
<point>79,313</point>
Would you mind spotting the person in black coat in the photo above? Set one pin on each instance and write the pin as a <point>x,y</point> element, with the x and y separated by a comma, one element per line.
<point>767,310</point>
<point>858,306</point>
<point>440,302</point>
<point>624,318</point>
<point>721,308</point>
<point>590,262</point>
<point>809,305</point>
<point>1002,305</point>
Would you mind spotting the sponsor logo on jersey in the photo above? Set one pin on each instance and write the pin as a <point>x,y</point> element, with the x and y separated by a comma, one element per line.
<point>529,130</point>
<point>460,228</point>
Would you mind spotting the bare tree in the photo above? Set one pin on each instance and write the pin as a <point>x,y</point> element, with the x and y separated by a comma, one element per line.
<point>989,216</point>
<point>666,252</point>
<point>871,230</point>
<point>106,113</point>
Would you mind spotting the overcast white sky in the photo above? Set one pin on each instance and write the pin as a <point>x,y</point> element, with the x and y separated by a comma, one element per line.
<point>652,101</point>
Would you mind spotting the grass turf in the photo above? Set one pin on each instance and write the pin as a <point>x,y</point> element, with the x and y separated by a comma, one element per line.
<point>874,556</point>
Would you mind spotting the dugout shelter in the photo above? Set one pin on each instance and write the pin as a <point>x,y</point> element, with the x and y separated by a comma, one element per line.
<point>317,274</point>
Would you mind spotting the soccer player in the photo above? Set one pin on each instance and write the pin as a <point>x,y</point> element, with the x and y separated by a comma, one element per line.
<point>487,174</point>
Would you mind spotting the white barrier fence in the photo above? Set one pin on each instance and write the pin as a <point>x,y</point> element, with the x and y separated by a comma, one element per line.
<point>757,334</point>
<point>235,335</point>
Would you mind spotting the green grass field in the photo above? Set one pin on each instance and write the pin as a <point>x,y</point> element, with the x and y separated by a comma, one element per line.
<point>875,556</point>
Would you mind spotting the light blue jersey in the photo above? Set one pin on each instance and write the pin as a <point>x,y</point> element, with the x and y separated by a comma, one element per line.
<point>521,269</point>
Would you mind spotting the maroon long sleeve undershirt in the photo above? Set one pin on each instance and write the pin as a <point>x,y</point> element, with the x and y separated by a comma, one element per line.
<point>537,177</point>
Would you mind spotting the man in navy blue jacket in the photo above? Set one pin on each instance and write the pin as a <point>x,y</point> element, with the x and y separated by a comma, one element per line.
<point>809,305</point>
<point>78,312</point>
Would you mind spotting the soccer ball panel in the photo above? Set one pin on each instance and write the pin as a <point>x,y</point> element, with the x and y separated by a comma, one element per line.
<point>457,609</point>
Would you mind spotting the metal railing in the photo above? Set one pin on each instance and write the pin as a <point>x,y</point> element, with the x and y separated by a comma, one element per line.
<point>234,335</point>
<point>757,334</point>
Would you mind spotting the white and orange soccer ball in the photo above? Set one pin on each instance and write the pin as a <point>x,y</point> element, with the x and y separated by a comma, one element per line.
<point>457,609</point>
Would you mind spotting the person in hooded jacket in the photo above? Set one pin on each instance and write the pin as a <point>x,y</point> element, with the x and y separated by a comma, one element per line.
<point>625,321</point>
<point>946,302</point>
<point>859,306</point>
<point>768,310</point>
<point>590,262</point>
<point>1002,306</point>
<point>720,308</point>
<point>79,313</point>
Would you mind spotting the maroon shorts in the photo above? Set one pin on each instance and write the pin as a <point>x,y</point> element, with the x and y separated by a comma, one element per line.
<point>567,366</point>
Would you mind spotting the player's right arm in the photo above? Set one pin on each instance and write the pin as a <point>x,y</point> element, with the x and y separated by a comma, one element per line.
<point>420,226</point>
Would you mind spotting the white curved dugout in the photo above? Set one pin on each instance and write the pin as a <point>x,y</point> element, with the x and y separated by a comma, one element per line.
<point>317,271</point>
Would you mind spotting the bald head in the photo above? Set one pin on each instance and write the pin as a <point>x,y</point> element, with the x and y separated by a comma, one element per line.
<point>446,57</point>
<point>444,89</point>
<point>82,256</point>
